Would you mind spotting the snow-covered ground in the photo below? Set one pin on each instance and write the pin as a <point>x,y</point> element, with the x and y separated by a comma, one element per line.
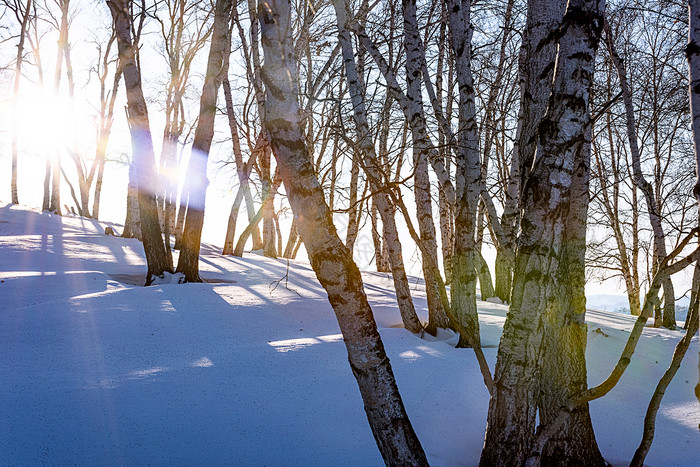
<point>250,369</point>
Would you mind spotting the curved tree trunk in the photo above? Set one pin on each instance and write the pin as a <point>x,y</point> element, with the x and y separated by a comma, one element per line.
<point>330,259</point>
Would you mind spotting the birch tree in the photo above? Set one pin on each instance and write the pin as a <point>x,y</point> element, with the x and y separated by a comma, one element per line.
<point>541,357</point>
<point>330,259</point>
<point>468,175</point>
<point>22,16</point>
<point>377,180</point>
<point>693,55</point>
<point>652,203</point>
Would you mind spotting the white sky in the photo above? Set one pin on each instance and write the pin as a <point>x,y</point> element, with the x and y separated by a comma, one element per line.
<point>42,133</point>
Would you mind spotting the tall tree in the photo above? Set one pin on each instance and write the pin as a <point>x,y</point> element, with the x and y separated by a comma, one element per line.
<point>330,259</point>
<point>372,167</point>
<point>197,172</point>
<point>537,53</point>
<point>22,16</point>
<point>108,99</point>
<point>142,143</point>
<point>468,176</point>
<point>652,203</point>
<point>693,54</point>
<point>541,357</point>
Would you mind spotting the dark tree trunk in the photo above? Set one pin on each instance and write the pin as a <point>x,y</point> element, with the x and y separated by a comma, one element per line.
<point>188,263</point>
<point>141,142</point>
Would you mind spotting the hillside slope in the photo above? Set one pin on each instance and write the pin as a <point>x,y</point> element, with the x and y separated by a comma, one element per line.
<point>249,368</point>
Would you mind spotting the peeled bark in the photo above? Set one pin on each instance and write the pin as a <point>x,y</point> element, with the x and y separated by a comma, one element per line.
<point>142,143</point>
<point>331,260</point>
<point>541,357</point>
<point>188,262</point>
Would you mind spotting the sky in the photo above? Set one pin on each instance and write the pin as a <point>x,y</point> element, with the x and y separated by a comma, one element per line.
<point>46,132</point>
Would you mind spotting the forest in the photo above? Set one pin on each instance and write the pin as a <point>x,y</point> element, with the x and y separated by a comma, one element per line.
<point>457,173</point>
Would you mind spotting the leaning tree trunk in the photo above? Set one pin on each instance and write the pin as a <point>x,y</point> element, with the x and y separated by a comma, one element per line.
<point>541,358</point>
<point>669,313</point>
<point>142,144</point>
<point>188,262</point>
<point>380,198</point>
<point>330,259</point>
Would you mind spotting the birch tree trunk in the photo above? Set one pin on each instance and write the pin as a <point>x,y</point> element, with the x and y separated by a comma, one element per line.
<point>693,54</point>
<point>188,262</point>
<point>142,143</point>
<point>541,357</point>
<point>242,170</point>
<point>330,259</point>
<point>485,284</point>
<point>380,199</point>
<point>264,157</point>
<point>468,176</point>
<point>669,313</point>
<point>15,96</point>
<point>537,54</point>
<point>132,223</point>
<point>421,148</point>
<point>107,101</point>
<point>55,198</point>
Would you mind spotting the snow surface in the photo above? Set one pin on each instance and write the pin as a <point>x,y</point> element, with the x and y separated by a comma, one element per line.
<point>249,368</point>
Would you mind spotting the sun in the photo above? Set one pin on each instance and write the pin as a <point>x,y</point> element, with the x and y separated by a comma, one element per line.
<point>45,126</point>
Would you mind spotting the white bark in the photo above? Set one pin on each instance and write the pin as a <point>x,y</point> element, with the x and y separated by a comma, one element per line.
<point>330,259</point>
<point>372,167</point>
<point>541,358</point>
